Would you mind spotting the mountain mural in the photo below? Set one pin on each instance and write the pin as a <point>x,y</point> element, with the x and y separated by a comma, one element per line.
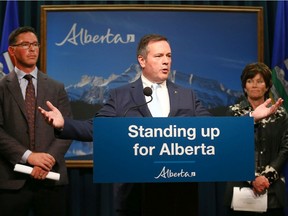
<point>94,89</point>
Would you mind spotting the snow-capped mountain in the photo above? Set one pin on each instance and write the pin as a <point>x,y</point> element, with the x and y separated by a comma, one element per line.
<point>94,90</point>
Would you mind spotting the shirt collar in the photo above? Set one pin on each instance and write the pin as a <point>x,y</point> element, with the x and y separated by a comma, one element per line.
<point>21,74</point>
<point>148,83</point>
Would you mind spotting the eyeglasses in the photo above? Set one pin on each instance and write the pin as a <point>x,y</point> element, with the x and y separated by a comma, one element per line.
<point>27,45</point>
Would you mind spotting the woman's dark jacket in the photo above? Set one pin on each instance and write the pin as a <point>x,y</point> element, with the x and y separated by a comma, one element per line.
<point>271,153</point>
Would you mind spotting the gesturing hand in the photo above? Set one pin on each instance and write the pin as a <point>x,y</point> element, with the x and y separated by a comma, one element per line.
<point>52,117</point>
<point>264,110</point>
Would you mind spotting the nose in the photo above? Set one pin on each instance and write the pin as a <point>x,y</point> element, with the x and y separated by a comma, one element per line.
<point>31,47</point>
<point>166,60</point>
<point>254,84</point>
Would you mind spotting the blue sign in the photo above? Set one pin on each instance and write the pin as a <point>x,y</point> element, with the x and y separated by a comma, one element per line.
<point>196,149</point>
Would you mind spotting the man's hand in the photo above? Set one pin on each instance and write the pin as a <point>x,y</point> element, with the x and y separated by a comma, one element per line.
<point>52,117</point>
<point>38,173</point>
<point>42,160</point>
<point>265,110</point>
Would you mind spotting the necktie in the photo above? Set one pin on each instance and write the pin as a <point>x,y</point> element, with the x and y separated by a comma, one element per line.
<point>30,104</point>
<point>155,106</point>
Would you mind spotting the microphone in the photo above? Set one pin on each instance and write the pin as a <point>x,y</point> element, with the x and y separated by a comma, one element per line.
<point>147,91</point>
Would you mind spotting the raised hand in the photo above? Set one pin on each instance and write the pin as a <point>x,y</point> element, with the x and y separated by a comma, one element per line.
<point>52,117</point>
<point>266,109</point>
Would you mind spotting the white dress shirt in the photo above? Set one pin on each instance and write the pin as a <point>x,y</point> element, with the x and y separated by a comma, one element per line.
<point>162,93</point>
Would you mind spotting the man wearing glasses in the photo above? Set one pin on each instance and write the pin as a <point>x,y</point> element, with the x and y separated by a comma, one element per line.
<point>26,138</point>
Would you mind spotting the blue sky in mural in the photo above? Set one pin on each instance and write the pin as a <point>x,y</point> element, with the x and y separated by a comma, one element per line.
<point>207,44</point>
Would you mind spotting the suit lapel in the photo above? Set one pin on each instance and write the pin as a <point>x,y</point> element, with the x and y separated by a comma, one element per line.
<point>173,97</point>
<point>14,88</point>
<point>42,88</point>
<point>139,98</point>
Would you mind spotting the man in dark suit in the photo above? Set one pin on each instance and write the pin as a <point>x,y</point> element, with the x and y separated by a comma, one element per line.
<point>34,145</point>
<point>154,56</point>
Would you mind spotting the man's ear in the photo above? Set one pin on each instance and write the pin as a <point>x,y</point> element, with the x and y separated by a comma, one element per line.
<point>141,61</point>
<point>11,51</point>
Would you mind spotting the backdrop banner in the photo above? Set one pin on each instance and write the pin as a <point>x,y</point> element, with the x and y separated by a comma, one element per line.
<point>193,149</point>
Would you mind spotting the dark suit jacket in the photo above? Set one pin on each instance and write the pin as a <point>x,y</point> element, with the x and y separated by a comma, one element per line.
<point>183,103</point>
<point>14,137</point>
<point>146,199</point>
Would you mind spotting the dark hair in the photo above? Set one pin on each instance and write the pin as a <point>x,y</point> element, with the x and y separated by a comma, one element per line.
<point>142,46</point>
<point>14,34</point>
<point>251,70</point>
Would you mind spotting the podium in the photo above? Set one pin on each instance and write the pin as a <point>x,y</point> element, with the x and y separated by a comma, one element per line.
<point>196,149</point>
<point>162,159</point>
